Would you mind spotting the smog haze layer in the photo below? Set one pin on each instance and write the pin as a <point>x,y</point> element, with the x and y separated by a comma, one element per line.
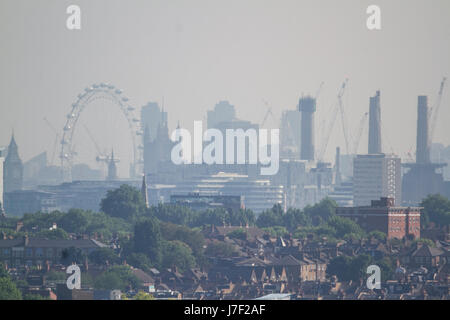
<point>192,54</point>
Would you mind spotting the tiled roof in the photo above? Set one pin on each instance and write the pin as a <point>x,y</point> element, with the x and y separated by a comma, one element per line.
<point>141,275</point>
<point>427,251</point>
<point>44,243</point>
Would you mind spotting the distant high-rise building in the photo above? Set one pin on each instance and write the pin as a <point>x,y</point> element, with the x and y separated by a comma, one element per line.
<point>234,125</point>
<point>158,150</point>
<point>383,215</point>
<point>13,168</point>
<point>1,182</point>
<point>307,107</point>
<point>151,118</point>
<point>376,176</point>
<point>337,167</point>
<point>375,124</point>
<point>422,179</point>
<point>222,112</point>
<point>422,144</point>
<point>112,169</point>
<point>290,134</point>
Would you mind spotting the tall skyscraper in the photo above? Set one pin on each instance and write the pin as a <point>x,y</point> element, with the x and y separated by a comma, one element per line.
<point>421,179</point>
<point>157,150</point>
<point>307,107</point>
<point>222,112</point>
<point>423,145</point>
<point>13,168</point>
<point>375,124</point>
<point>376,176</point>
<point>1,181</point>
<point>290,134</point>
<point>151,118</point>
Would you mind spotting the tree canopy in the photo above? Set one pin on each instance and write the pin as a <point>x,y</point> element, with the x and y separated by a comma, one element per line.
<point>125,202</point>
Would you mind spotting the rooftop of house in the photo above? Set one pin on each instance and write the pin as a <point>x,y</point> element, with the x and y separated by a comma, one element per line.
<point>427,251</point>
<point>45,243</point>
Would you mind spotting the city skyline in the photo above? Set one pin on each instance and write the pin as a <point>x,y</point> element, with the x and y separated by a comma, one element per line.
<point>182,65</point>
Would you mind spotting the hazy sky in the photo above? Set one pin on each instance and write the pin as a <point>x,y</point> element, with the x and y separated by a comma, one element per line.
<point>195,53</point>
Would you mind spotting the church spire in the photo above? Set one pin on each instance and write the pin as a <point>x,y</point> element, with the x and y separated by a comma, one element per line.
<point>13,168</point>
<point>12,144</point>
<point>112,169</point>
<point>144,191</point>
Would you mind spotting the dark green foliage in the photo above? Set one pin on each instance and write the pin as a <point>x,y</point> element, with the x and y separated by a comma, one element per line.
<point>178,254</point>
<point>321,211</point>
<point>344,226</point>
<point>74,221</point>
<point>8,290</point>
<point>425,242</point>
<point>436,210</point>
<point>52,234</point>
<point>276,231</point>
<point>147,239</point>
<point>220,216</point>
<point>316,233</point>
<point>126,203</point>
<point>349,268</point>
<point>40,220</point>
<point>240,234</point>
<point>355,268</point>
<point>269,218</point>
<point>117,277</point>
<point>103,256</point>
<point>173,213</point>
<point>380,236</point>
<point>193,238</point>
<point>294,218</point>
<point>140,260</point>
<point>220,249</point>
<point>387,266</point>
<point>32,296</point>
<point>3,272</point>
<point>73,255</point>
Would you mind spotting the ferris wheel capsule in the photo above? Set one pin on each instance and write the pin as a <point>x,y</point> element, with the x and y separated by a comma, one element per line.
<point>118,91</point>
<point>125,99</point>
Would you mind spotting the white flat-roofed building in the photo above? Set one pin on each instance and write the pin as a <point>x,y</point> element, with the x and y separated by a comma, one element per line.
<point>376,176</point>
<point>258,194</point>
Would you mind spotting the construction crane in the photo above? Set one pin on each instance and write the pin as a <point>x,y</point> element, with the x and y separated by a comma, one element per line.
<point>332,121</point>
<point>319,90</point>
<point>94,141</point>
<point>357,138</point>
<point>269,112</point>
<point>435,110</point>
<point>101,157</point>
<point>343,120</point>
